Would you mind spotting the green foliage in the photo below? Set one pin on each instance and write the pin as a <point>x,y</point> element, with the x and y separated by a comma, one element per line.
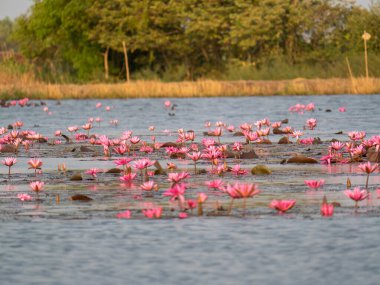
<point>176,40</point>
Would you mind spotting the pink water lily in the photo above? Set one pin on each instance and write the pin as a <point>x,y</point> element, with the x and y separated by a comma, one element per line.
<point>9,161</point>
<point>327,210</point>
<point>155,213</point>
<point>368,168</point>
<point>315,184</point>
<point>149,186</point>
<point>37,186</point>
<point>215,184</point>
<point>311,123</point>
<point>237,170</point>
<point>241,191</point>
<point>177,177</point>
<point>238,147</point>
<point>128,177</point>
<point>135,140</point>
<point>123,162</point>
<point>176,192</point>
<point>93,172</point>
<point>238,191</point>
<point>143,163</point>
<point>191,204</point>
<point>182,215</point>
<point>282,205</point>
<point>124,215</point>
<point>195,156</point>
<point>356,195</point>
<point>24,197</point>
<point>35,164</point>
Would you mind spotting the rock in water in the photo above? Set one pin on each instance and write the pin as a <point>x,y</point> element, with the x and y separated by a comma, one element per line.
<point>8,148</point>
<point>114,171</point>
<point>238,134</point>
<point>261,170</point>
<point>284,140</point>
<point>278,131</point>
<point>80,197</point>
<point>169,144</point>
<point>249,155</point>
<point>301,159</point>
<point>86,149</point>
<point>76,177</point>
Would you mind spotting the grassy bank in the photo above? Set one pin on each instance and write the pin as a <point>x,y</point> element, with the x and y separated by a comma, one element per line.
<point>11,88</point>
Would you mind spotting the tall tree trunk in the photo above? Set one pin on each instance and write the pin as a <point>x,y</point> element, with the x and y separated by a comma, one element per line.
<point>106,75</point>
<point>126,61</point>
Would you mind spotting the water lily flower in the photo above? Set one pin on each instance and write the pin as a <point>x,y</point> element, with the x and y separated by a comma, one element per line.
<point>153,213</point>
<point>177,177</point>
<point>124,215</point>
<point>37,186</point>
<point>24,197</point>
<point>9,161</point>
<point>149,186</point>
<point>93,172</point>
<point>327,210</point>
<point>128,177</point>
<point>182,215</point>
<point>315,184</point>
<point>282,205</point>
<point>215,184</point>
<point>195,156</point>
<point>35,164</point>
<point>237,170</point>
<point>356,195</point>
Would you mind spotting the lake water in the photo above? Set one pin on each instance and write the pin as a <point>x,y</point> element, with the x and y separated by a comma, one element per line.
<point>73,243</point>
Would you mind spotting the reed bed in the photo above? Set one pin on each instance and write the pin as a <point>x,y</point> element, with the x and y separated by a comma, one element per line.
<point>27,87</point>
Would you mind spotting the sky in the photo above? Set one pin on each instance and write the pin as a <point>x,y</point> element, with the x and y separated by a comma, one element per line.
<point>14,8</point>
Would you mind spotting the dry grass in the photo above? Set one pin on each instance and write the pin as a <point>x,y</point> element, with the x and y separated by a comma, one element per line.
<point>12,86</point>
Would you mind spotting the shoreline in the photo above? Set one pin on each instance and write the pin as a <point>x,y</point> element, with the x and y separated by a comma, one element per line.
<point>16,89</point>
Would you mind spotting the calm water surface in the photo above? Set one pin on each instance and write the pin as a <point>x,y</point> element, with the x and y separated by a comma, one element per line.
<point>194,251</point>
<point>138,114</point>
<point>255,250</point>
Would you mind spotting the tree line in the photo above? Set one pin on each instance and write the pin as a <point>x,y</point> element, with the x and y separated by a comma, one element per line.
<point>191,39</point>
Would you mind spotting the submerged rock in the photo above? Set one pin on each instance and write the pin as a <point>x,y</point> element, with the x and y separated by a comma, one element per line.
<point>249,155</point>
<point>299,158</point>
<point>278,131</point>
<point>170,144</point>
<point>86,149</point>
<point>8,148</point>
<point>285,121</point>
<point>238,134</point>
<point>260,170</point>
<point>178,155</point>
<point>284,140</point>
<point>76,177</point>
<point>265,141</point>
<point>80,197</point>
<point>114,171</point>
